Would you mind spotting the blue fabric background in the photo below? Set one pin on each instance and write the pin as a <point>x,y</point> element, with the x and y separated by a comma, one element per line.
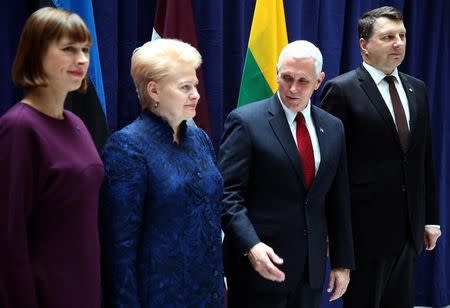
<point>222,30</point>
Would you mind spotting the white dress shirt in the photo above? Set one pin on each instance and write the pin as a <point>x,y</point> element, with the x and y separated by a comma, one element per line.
<point>383,87</point>
<point>290,117</point>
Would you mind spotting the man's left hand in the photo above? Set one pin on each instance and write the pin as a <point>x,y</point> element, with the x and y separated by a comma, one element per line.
<point>339,279</point>
<point>430,237</point>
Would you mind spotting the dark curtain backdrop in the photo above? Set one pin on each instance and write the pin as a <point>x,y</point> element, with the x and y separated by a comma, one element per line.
<point>223,29</point>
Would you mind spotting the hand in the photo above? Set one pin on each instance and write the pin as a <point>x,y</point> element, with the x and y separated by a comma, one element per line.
<point>339,279</point>
<point>263,260</point>
<point>430,237</point>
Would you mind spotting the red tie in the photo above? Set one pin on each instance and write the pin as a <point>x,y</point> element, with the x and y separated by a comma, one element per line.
<point>399,113</point>
<point>305,150</point>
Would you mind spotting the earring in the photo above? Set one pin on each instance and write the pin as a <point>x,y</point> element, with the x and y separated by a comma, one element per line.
<point>156,105</point>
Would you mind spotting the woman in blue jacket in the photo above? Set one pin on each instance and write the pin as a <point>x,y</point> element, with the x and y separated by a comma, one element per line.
<point>161,199</point>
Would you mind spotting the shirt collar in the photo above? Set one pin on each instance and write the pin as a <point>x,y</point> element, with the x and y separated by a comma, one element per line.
<point>378,75</point>
<point>290,115</point>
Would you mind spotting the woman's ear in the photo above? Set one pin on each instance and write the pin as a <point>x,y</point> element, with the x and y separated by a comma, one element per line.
<point>152,90</point>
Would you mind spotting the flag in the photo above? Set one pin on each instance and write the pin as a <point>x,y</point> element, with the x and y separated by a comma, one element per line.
<point>89,106</point>
<point>175,19</point>
<point>268,36</point>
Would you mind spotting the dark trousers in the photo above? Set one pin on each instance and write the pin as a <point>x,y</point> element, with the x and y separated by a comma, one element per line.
<point>386,282</point>
<point>303,296</point>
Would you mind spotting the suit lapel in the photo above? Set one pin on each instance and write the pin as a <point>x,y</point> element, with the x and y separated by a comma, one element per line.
<point>374,95</point>
<point>322,136</point>
<point>278,122</point>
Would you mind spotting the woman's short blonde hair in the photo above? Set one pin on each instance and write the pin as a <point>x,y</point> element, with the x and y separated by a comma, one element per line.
<point>43,27</point>
<point>155,60</point>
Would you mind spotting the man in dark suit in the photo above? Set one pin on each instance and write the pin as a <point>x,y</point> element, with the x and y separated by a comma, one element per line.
<point>285,191</point>
<point>392,184</point>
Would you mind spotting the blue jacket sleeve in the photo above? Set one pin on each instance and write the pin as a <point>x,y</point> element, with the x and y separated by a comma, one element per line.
<point>234,163</point>
<point>121,209</point>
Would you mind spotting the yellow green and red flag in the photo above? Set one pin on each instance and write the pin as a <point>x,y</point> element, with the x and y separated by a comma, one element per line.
<point>268,36</point>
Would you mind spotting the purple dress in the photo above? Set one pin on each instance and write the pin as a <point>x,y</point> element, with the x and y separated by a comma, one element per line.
<point>50,176</point>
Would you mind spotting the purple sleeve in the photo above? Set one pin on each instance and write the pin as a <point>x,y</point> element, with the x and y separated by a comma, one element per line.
<point>18,157</point>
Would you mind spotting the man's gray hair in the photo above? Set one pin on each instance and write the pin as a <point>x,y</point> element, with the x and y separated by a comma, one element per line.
<point>302,50</point>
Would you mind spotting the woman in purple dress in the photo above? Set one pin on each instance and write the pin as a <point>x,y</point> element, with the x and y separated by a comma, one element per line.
<point>50,173</point>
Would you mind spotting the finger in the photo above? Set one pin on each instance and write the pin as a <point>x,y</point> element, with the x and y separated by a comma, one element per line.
<point>264,272</point>
<point>427,242</point>
<point>268,270</point>
<point>331,283</point>
<point>431,244</point>
<point>275,272</point>
<point>339,290</point>
<point>337,294</point>
<point>274,257</point>
<point>436,236</point>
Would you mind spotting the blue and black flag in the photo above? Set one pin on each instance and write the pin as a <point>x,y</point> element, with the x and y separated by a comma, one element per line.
<point>89,106</point>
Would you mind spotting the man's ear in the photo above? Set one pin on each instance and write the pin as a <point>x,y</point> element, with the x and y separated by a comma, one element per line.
<point>152,90</point>
<point>319,80</point>
<point>363,45</point>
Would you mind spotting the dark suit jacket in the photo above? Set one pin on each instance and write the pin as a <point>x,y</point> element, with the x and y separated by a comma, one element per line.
<point>265,198</point>
<point>392,193</point>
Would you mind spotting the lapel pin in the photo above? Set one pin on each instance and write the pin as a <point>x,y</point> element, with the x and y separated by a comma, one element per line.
<point>410,90</point>
<point>321,129</point>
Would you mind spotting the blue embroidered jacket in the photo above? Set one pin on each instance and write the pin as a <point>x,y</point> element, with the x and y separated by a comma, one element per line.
<point>160,218</point>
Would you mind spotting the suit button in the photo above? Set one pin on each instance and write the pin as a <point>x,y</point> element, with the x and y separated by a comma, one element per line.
<point>305,232</point>
<point>199,174</point>
<point>403,187</point>
<point>214,295</point>
<point>216,273</point>
<point>307,202</point>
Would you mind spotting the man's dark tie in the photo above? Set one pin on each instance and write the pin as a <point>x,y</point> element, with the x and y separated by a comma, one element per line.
<point>305,149</point>
<point>399,113</point>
